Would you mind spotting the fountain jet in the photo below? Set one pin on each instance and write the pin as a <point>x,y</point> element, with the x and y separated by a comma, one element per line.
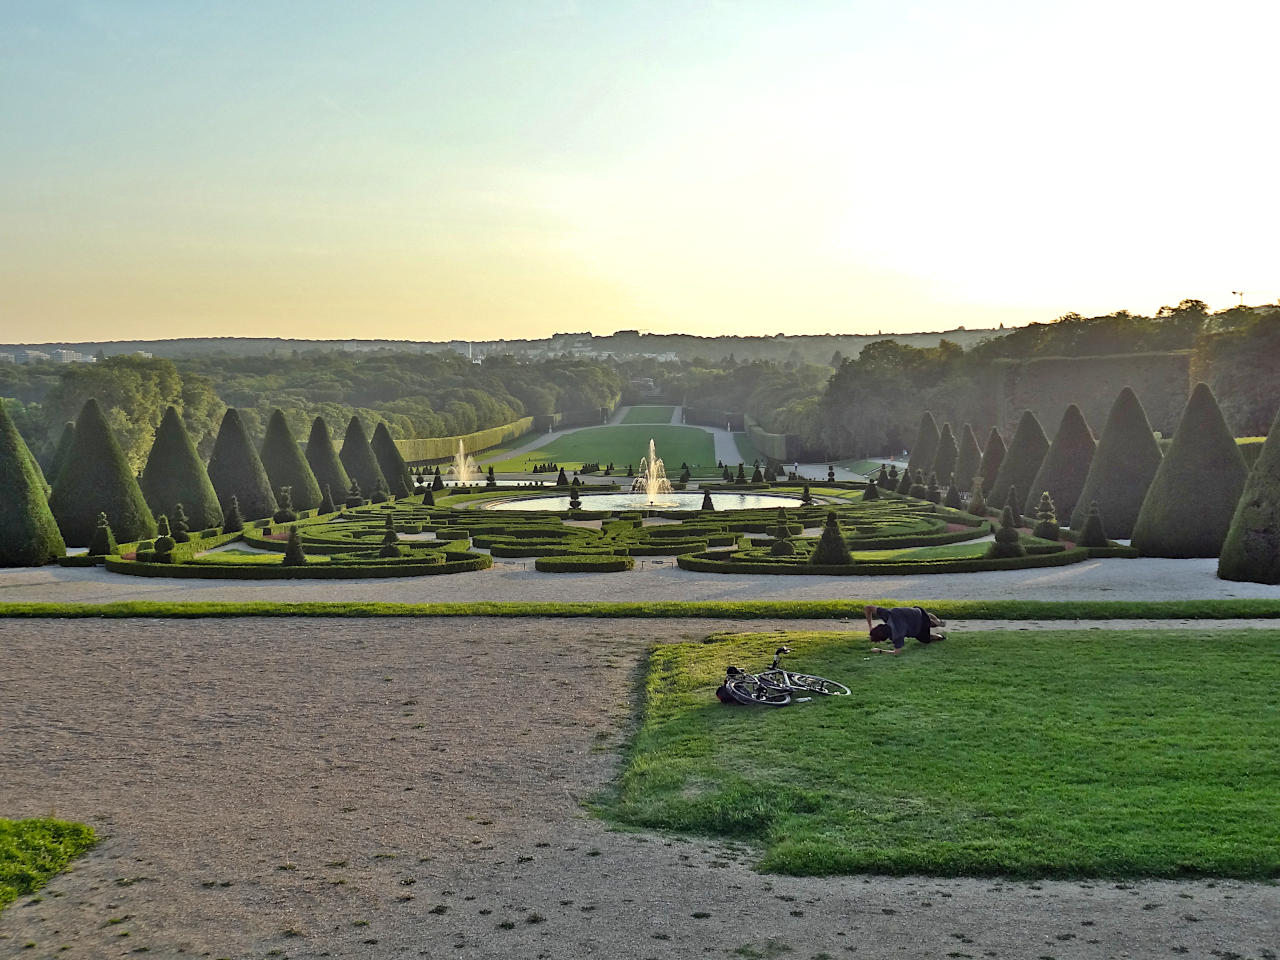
<point>464,467</point>
<point>651,479</point>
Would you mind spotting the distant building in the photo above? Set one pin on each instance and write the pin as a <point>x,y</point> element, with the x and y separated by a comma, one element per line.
<point>31,356</point>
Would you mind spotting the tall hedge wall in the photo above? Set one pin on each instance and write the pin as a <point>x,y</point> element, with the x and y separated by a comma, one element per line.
<point>1252,548</point>
<point>286,466</point>
<point>175,474</point>
<point>442,448</point>
<point>777,446</point>
<point>1123,466</point>
<point>1065,466</point>
<point>29,535</point>
<point>1189,506</point>
<point>96,479</point>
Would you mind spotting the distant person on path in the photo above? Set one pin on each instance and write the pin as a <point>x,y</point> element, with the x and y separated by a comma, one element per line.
<point>899,623</point>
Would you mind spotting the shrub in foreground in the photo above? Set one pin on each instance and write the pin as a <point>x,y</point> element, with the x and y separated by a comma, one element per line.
<point>831,549</point>
<point>1251,550</point>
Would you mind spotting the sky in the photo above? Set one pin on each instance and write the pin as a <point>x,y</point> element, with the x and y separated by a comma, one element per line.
<point>487,170</point>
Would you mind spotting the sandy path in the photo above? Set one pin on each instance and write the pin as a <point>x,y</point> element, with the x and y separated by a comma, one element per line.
<point>412,788</point>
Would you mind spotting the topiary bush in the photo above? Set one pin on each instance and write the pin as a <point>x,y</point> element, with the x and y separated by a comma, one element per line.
<point>29,534</point>
<point>933,493</point>
<point>587,563</point>
<point>390,542</point>
<point>294,556</point>
<point>1251,550</point>
<point>1193,496</point>
<point>977,504</point>
<point>164,542</point>
<point>181,528</point>
<point>1093,534</point>
<point>284,503</point>
<point>326,502</point>
<point>96,479</point>
<point>1046,527</point>
<point>233,521</point>
<point>394,470</point>
<point>1021,461</point>
<point>1006,543</point>
<point>103,543</point>
<point>944,461</point>
<point>968,460</point>
<point>358,459</point>
<point>872,492</point>
<point>831,548</point>
<point>992,457</point>
<point>174,473</point>
<point>953,496</point>
<point>354,497</point>
<point>323,459</point>
<point>1066,465</point>
<point>925,447</point>
<point>237,471</point>
<point>286,466</point>
<point>918,489</point>
<point>707,503</point>
<point>1123,467</point>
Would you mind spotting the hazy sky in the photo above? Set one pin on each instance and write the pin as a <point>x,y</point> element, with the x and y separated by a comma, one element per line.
<point>481,170</point>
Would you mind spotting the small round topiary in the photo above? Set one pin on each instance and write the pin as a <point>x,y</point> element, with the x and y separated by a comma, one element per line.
<point>1006,543</point>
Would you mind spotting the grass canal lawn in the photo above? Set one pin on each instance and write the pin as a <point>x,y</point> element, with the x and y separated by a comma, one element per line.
<point>649,415</point>
<point>622,445</point>
<point>1081,753</point>
<point>32,851</point>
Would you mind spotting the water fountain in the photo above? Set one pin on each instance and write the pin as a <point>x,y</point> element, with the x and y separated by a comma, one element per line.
<point>464,467</point>
<point>651,479</point>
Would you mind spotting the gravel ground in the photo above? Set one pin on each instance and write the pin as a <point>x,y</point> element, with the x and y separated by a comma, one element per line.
<point>655,579</point>
<point>404,788</point>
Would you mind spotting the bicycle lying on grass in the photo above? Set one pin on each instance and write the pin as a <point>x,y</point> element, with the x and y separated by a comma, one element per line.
<point>774,687</point>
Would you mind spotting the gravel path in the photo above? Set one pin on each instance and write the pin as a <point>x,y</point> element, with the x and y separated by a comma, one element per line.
<point>656,579</point>
<point>387,789</point>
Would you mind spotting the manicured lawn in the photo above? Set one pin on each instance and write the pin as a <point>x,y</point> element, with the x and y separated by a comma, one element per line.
<point>649,415</point>
<point>622,445</point>
<point>1088,753</point>
<point>864,467</point>
<point>32,851</point>
<point>747,452</point>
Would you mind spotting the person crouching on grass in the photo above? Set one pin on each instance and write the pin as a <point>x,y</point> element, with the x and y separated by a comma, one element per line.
<point>899,623</point>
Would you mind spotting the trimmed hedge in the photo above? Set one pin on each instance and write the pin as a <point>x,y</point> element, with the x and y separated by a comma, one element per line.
<point>321,571</point>
<point>236,471</point>
<point>583,564</point>
<point>1123,466</point>
<point>175,474</point>
<point>968,460</point>
<point>706,563</point>
<point>393,467</point>
<point>1021,461</point>
<point>358,459</point>
<point>925,447</point>
<point>442,448</point>
<point>1252,548</point>
<point>1065,466</point>
<point>29,535</point>
<point>944,461</point>
<point>95,479</point>
<point>1189,505</point>
<point>324,462</point>
<point>286,466</point>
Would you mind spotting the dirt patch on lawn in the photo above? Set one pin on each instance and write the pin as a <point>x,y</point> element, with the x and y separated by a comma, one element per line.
<point>403,788</point>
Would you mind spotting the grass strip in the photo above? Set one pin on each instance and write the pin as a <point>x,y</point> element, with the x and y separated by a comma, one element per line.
<point>1064,754</point>
<point>32,851</point>
<point>1236,609</point>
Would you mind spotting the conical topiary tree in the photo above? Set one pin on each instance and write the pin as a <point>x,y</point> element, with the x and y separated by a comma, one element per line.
<point>233,521</point>
<point>1251,550</point>
<point>357,456</point>
<point>390,540</point>
<point>393,467</point>
<point>286,466</point>
<point>103,543</point>
<point>175,474</point>
<point>992,457</point>
<point>437,482</point>
<point>1066,464</point>
<point>284,506</point>
<point>933,492</point>
<point>968,460</point>
<point>707,504</point>
<point>181,528</point>
<point>904,482</point>
<point>1006,543</point>
<point>29,535</point>
<point>96,479</point>
<point>1123,466</point>
<point>977,504</point>
<point>925,447</point>
<point>918,489</point>
<point>832,548</point>
<point>294,555</point>
<point>65,440</point>
<point>561,479</point>
<point>1046,527</point>
<point>1093,534</point>
<point>323,459</point>
<point>1021,461</point>
<point>872,492</point>
<point>1193,496</point>
<point>236,470</point>
<point>326,502</point>
<point>428,497</point>
<point>355,498</point>
<point>944,461</point>
<point>953,500</point>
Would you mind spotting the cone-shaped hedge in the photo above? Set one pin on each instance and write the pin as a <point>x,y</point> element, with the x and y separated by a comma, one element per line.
<point>968,460</point>
<point>175,474</point>
<point>1252,548</point>
<point>29,535</point>
<point>1123,465</point>
<point>286,466</point>
<point>1191,500</point>
<point>925,447</point>
<point>944,461</point>
<point>323,459</point>
<point>992,457</point>
<point>1065,465</point>
<point>237,471</point>
<point>831,548</point>
<point>1021,461</point>
<point>393,467</point>
<point>96,479</point>
<point>65,440</point>
<point>357,456</point>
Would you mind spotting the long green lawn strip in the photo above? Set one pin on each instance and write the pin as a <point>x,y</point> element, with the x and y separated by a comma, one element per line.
<point>649,414</point>
<point>1136,753</point>
<point>32,851</point>
<point>731,609</point>
<point>747,452</point>
<point>622,445</point>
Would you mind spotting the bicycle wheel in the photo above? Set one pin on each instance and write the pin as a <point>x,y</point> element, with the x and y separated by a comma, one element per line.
<point>774,679</point>
<point>750,691</point>
<point>812,684</point>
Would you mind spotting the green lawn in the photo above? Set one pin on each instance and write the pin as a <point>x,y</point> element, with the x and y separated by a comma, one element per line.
<point>649,415</point>
<point>32,851</point>
<point>747,452</point>
<point>863,467</point>
<point>621,445</point>
<point>1086,753</point>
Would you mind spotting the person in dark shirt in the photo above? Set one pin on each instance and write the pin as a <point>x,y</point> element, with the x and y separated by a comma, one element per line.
<point>899,623</point>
